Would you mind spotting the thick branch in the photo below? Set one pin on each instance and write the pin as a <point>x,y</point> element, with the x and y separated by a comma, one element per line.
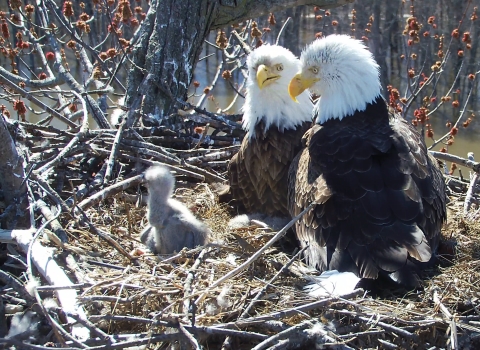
<point>229,13</point>
<point>171,39</point>
<point>456,159</point>
<point>11,179</point>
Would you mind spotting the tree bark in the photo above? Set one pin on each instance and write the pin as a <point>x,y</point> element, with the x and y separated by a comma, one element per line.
<point>171,38</point>
<point>12,175</point>
<point>232,11</point>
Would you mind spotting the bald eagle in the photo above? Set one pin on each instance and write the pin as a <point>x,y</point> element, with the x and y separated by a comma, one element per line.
<point>274,126</point>
<point>379,196</point>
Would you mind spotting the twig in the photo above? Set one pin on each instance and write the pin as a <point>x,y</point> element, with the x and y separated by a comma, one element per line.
<point>162,153</point>
<point>255,256</point>
<point>31,241</point>
<point>456,159</point>
<point>231,332</point>
<point>54,288</point>
<point>78,137</point>
<point>209,177</point>
<point>181,254</point>
<point>46,265</point>
<point>92,327</point>
<point>218,155</point>
<point>53,222</point>
<point>150,163</point>
<point>245,47</point>
<point>389,327</point>
<point>462,112</point>
<point>469,196</point>
<point>211,330</point>
<point>78,338</point>
<point>237,90</point>
<point>113,154</point>
<point>95,109</point>
<point>110,191</point>
<point>453,335</point>
<point>126,124</point>
<point>105,236</point>
<point>44,185</point>
<point>387,344</point>
<point>187,289</point>
<point>294,330</point>
<point>202,99</point>
<point>264,289</point>
<point>17,286</point>
<point>218,121</point>
<point>190,337</point>
<point>300,309</point>
<point>121,318</point>
<point>303,308</point>
<point>25,94</point>
<point>168,337</point>
<point>108,298</point>
<point>22,345</point>
<point>450,318</point>
<point>282,29</point>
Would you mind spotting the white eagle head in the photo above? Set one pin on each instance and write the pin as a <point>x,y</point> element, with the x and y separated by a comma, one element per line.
<point>270,69</point>
<point>342,71</point>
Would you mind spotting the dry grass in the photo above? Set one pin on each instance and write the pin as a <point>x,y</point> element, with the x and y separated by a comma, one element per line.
<point>149,295</point>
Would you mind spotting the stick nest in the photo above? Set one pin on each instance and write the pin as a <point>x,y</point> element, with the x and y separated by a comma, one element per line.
<point>134,298</point>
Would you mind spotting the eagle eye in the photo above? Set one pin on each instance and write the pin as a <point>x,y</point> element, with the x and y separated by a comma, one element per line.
<point>314,70</point>
<point>279,67</point>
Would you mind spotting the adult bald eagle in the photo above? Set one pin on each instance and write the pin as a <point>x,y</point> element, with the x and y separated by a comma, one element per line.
<point>275,125</point>
<point>380,199</point>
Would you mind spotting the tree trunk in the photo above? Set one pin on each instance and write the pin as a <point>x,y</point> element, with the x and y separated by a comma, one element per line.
<point>16,214</point>
<point>292,30</point>
<point>171,39</point>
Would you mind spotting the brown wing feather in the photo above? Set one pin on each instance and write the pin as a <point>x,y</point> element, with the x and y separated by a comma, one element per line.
<point>307,185</point>
<point>258,172</point>
<point>381,199</point>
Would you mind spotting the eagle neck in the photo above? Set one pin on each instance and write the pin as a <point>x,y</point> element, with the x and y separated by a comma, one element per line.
<point>274,111</point>
<point>375,112</point>
<point>338,105</point>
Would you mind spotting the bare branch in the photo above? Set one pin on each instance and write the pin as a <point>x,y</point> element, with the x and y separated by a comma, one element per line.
<point>237,11</point>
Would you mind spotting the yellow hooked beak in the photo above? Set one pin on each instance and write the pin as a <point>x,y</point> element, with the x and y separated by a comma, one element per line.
<point>265,76</point>
<point>299,84</point>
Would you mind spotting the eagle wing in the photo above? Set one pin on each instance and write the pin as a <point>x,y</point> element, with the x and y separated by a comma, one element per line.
<point>258,172</point>
<point>307,185</point>
<point>380,198</point>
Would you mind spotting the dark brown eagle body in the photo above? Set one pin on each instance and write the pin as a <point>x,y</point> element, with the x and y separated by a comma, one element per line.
<point>258,172</point>
<point>380,197</point>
